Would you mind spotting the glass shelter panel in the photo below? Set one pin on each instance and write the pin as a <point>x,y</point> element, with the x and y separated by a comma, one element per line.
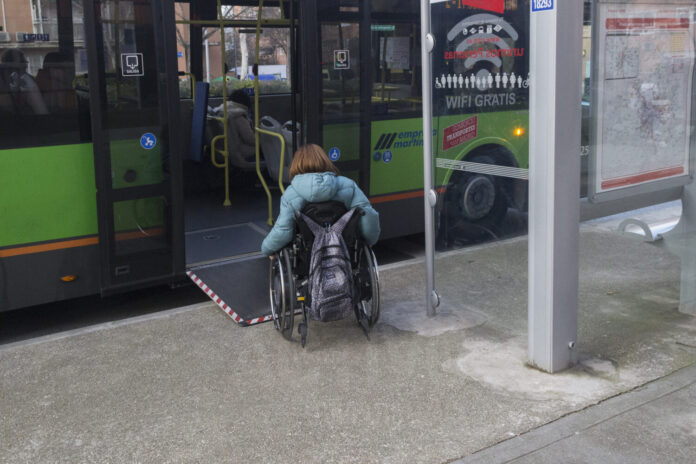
<point>480,103</point>
<point>480,109</point>
<point>638,229</point>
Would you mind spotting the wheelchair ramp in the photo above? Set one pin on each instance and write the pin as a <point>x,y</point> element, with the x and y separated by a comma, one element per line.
<point>240,288</point>
<point>221,244</point>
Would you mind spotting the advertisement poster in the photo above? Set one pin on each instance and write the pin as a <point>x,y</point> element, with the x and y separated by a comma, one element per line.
<point>481,56</point>
<point>644,77</point>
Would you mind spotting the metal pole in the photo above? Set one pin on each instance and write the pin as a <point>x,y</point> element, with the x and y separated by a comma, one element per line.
<point>4,17</point>
<point>293,81</point>
<point>207,61</point>
<point>432,300</point>
<point>225,116</point>
<point>39,17</point>
<point>554,184</point>
<point>686,233</point>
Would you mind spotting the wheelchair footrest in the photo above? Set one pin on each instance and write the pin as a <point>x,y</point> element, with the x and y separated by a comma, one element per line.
<point>302,330</point>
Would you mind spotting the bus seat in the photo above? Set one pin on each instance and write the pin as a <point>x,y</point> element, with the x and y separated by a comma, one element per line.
<point>240,155</point>
<point>200,108</point>
<point>271,149</point>
<point>286,131</point>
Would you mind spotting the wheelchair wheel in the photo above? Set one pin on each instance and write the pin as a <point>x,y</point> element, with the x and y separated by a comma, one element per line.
<point>282,293</point>
<point>370,301</point>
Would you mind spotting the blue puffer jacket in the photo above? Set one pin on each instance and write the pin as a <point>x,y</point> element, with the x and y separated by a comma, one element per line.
<point>315,188</point>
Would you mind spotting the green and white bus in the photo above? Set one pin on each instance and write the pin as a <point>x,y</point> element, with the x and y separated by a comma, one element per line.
<point>104,191</point>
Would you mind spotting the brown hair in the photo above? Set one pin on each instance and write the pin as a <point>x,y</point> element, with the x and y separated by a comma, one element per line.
<point>311,158</point>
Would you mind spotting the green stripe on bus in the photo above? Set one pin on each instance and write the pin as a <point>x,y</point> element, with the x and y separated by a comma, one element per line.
<point>47,193</point>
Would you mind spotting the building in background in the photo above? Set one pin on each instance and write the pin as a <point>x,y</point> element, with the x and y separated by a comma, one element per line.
<point>31,26</point>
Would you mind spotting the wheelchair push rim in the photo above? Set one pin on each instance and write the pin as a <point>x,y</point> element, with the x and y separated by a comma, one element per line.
<point>372,306</point>
<point>282,294</point>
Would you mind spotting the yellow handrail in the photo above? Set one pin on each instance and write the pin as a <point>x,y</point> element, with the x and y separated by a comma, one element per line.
<point>193,86</point>
<point>224,165</point>
<point>232,22</point>
<point>221,23</point>
<point>282,155</point>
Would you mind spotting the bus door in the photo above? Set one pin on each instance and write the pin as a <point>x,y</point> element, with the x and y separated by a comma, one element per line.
<point>134,97</point>
<point>336,41</point>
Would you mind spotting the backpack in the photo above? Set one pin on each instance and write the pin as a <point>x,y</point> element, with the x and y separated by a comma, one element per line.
<point>330,271</point>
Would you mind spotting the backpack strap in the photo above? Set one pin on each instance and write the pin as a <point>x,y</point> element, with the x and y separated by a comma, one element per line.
<point>313,226</point>
<point>342,222</point>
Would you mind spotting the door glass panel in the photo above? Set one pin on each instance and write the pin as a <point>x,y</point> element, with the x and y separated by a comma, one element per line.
<point>140,225</point>
<point>396,58</point>
<point>132,115</point>
<point>340,92</point>
<point>340,69</point>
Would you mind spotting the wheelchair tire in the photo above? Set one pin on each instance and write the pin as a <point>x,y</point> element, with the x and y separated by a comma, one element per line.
<point>371,304</point>
<point>282,293</point>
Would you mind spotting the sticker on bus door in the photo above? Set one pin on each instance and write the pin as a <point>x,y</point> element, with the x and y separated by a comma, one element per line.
<point>341,59</point>
<point>460,133</point>
<point>132,64</point>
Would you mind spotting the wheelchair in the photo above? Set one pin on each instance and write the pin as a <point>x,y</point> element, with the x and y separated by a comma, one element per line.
<point>289,280</point>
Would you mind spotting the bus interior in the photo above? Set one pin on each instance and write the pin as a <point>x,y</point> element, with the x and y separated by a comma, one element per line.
<point>281,60</point>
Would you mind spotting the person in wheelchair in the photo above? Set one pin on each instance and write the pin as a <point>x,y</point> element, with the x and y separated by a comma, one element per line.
<point>315,179</point>
<point>326,201</point>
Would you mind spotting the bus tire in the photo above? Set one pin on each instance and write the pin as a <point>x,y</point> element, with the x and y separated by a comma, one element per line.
<point>476,203</point>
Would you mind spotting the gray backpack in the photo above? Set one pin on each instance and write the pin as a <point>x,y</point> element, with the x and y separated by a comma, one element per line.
<point>330,272</point>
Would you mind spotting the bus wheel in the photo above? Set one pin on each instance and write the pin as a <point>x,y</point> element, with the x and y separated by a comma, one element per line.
<point>476,203</point>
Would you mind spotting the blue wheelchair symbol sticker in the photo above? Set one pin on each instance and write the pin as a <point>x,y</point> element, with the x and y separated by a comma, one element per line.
<point>334,154</point>
<point>387,157</point>
<point>377,156</point>
<point>148,141</point>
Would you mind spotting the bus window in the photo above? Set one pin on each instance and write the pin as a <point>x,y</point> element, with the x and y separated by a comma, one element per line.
<point>182,12</point>
<point>340,69</point>
<point>327,8</point>
<point>237,68</point>
<point>396,73</point>
<point>40,77</point>
<point>411,7</point>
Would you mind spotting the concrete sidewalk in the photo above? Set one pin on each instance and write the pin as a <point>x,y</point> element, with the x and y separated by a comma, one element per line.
<point>653,423</point>
<point>191,386</point>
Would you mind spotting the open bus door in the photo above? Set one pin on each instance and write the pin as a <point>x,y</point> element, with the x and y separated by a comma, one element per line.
<point>133,83</point>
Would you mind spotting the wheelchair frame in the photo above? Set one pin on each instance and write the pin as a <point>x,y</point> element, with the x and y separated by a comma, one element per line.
<point>289,291</point>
